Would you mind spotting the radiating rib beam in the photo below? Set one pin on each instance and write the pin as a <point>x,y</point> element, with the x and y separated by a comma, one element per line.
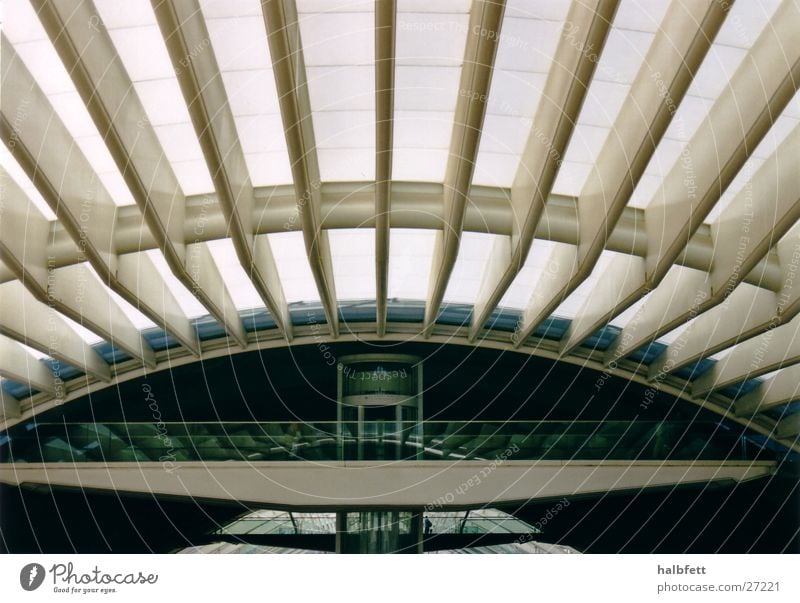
<point>675,54</point>
<point>72,189</point>
<point>89,55</point>
<point>782,388</point>
<point>767,352</point>
<point>73,290</point>
<point>385,33</point>
<point>564,92</point>
<point>29,321</point>
<point>767,206</point>
<point>184,29</point>
<point>283,34</point>
<point>486,19</point>
<point>18,364</point>
<point>742,115</point>
<point>746,312</point>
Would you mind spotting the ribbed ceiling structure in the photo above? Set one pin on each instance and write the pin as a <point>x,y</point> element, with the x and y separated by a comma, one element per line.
<point>614,183</point>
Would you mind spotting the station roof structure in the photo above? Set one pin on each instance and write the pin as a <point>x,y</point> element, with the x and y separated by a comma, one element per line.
<point>615,184</point>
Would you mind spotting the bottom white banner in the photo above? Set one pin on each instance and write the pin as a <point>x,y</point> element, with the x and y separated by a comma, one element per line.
<point>399,578</point>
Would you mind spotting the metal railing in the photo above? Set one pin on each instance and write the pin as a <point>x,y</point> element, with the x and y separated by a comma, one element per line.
<point>323,441</point>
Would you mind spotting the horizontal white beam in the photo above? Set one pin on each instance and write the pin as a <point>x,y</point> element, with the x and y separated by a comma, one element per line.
<point>414,205</point>
<point>356,484</point>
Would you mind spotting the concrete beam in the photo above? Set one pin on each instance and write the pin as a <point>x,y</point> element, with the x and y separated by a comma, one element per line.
<point>184,30</point>
<point>385,34</point>
<point>369,485</point>
<point>476,77</point>
<point>286,50</point>
<point>90,57</point>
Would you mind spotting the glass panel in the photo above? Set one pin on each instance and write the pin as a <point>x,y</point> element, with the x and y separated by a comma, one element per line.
<point>339,54</point>
<point>782,127</point>
<point>292,261</point>
<point>188,302</point>
<point>429,52</point>
<point>528,40</point>
<point>410,259</point>
<point>138,40</point>
<point>239,40</point>
<point>538,261</point>
<point>741,28</point>
<point>573,303</point>
<point>470,267</point>
<point>242,290</point>
<point>353,256</point>
<point>622,56</point>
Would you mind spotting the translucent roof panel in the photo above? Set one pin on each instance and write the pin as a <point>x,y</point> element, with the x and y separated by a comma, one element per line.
<point>188,302</point>
<point>239,41</point>
<point>470,267</point>
<point>429,53</point>
<point>26,34</point>
<point>410,260</point>
<point>236,279</point>
<point>631,35</point>
<point>624,318</point>
<point>20,178</point>
<point>289,249</point>
<point>528,39</point>
<point>704,317</point>
<point>139,320</point>
<point>141,48</point>
<point>88,336</point>
<point>518,295</point>
<point>339,54</point>
<point>34,352</point>
<point>741,28</point>
<point>353,256</point>
<point>783,126</point>
<point>574,302</point>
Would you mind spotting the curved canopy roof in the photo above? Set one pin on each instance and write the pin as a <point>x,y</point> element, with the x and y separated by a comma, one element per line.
<point>611,182</point>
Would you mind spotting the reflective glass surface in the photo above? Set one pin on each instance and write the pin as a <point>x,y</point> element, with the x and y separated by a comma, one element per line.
<point>441,440</point>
